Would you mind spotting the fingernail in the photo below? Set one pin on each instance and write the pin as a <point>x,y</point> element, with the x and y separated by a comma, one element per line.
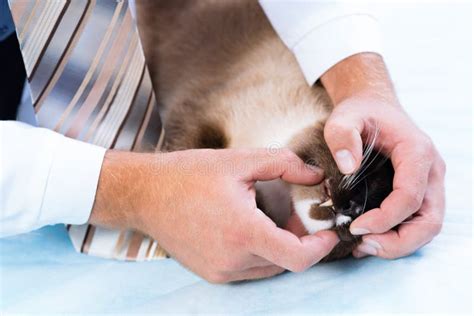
<point>369,246</point>
<point>359,231</point>
<point>345,161</point>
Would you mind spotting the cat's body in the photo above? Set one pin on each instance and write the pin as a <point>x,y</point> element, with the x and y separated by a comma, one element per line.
<point>225,80</point>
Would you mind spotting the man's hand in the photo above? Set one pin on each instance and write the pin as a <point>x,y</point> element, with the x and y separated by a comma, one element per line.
<point>364,98</point>
<point>200,206</point>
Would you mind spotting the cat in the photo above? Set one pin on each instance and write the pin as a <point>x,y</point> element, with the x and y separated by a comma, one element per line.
<point>224,79</point>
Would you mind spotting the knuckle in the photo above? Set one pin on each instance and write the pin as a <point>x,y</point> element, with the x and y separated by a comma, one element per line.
<point>382,225</point>
<point>217,278</point>
<point>335,127</point>
<point>296,268</point>
<point>392,255</point>
<point>302,265</point>
<point>277,270</point>
<point>228,263</point>
<point>288,155</point>
<point>393,252</point>
<point>415,199</point>
<point>441,165</point>
<point>425,144</point>
<point>435,228</point>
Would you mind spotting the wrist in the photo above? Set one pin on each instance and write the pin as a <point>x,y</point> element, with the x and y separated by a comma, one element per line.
<point>363,76</point>
<point>368,99</point>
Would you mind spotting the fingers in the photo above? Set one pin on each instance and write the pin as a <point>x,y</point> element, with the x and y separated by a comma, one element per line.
<point>253,261</point>
<point>414,232</point>
<point>256,273</point>
<point>295,226</point>
<point>407,239</point>
<point>412,166</point>
<point>281,163</point>
<point>249,274</point>
<point>286,250</point>
<point>256,268</point>
<point>386,217</point>
<point>359,254</point>
<point>342,135</point>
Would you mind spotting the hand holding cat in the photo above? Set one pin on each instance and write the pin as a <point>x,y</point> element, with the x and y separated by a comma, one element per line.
<point>413,213</point>
<point>200,205</point>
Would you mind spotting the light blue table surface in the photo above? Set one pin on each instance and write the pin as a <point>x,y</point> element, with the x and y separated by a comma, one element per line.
<point>428,50</point>
<point>41,272</point>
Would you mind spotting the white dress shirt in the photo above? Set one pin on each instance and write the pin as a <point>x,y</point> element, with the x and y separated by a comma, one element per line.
<point>46,178</point>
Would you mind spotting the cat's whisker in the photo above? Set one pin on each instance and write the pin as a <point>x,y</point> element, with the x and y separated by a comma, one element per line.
<point>357,181</point>
<point>349,181</point>
<point>380,164</point>
<point>366,196</point>
<point>365,167</point>
<point>361,176</point>
<point>345,181</point>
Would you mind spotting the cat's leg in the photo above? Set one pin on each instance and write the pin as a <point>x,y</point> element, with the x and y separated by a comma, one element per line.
<point>184,130</point>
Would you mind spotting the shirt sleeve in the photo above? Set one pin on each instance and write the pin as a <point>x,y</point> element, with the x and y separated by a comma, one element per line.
<point>45,178</point>
<point>320,33</point>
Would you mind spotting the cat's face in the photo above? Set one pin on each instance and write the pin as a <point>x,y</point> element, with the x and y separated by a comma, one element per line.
<point>360,192</point>
<point>336,202</point>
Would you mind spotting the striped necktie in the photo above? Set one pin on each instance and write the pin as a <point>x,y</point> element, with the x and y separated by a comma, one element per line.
<point>89,81</point>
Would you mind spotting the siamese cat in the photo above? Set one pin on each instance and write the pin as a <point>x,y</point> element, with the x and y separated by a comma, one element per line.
<point>224,79</point>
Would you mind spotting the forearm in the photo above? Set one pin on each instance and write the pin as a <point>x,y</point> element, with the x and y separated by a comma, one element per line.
<point>124,186</point>
<point>363,75</point>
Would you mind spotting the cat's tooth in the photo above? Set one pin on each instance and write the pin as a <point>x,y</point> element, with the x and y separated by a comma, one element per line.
<point>327,203</point>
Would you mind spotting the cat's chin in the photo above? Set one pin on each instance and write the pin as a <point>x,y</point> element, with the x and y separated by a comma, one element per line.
<point>344,248</point>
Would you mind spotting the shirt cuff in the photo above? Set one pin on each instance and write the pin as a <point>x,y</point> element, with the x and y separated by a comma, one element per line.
<point>72,183</point>
<point>335,40</point>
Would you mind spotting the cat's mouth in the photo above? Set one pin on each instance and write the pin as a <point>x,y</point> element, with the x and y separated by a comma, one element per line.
<point>326,201</point>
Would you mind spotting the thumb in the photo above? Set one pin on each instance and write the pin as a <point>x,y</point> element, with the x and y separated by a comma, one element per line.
<point>265,165</point>
<point>342,134</point>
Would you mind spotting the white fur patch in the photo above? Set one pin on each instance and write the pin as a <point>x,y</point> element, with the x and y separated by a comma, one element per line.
<point>342,219</point>
<point>302,208</point>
